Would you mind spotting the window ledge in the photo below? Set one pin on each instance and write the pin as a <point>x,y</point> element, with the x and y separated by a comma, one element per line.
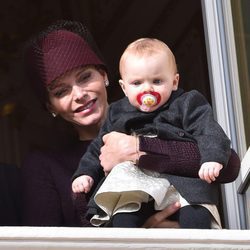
<point>13,238</point>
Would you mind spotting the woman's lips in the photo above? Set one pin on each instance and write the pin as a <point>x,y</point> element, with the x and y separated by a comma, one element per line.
<point>88,107</point>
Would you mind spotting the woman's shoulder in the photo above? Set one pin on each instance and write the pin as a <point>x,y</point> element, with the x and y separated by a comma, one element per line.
<point>44,159</point>
<point>38,162</point>
<point>37,156</point>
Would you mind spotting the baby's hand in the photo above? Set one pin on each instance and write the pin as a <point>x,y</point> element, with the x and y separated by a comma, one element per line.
<point>209,171</point>
<point>82,183</point>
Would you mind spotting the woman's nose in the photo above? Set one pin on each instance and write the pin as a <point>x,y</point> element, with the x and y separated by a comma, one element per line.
<point>79,93</point>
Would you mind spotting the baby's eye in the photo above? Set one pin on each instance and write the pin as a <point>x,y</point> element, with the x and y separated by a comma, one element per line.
<point>136,83</point>
<point>157,81</point>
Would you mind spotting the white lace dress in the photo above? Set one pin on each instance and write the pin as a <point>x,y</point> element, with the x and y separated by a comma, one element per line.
<point>127,186</point>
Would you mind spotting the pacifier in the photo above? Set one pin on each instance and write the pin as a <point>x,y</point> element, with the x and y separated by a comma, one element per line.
<point>148,100</point>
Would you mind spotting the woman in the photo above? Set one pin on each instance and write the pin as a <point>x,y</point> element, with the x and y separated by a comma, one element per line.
<point>70,78</point>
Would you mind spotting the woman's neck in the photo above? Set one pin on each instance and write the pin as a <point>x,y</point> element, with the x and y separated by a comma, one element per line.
<point>88,133</point>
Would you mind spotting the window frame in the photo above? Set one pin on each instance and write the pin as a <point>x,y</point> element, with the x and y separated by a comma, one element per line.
<point>245,168</point>
<point>66,238</point>
<point>224,82</point>
<point>225,92</point>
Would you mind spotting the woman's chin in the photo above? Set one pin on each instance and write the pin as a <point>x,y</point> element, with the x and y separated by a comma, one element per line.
<point>92,120</point>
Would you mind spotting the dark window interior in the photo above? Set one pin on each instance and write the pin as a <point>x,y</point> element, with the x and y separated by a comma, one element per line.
<point>114,24</point>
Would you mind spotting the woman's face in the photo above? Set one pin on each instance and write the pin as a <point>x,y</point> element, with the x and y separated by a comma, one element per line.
<point>80,96</point>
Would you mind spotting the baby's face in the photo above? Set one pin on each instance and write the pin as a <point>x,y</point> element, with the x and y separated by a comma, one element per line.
<point>150,74</point>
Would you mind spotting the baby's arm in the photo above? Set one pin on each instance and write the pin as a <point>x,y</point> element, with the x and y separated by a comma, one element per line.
<point>209,171</point>
<point>82,183</point>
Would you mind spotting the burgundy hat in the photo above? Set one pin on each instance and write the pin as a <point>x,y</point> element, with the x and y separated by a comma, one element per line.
<point>58,52</point>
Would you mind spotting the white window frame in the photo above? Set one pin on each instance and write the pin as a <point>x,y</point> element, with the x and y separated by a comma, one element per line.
<point>223,74</point>
<point>245,167</point>
<point>65,238</point>
<point>225,91</point>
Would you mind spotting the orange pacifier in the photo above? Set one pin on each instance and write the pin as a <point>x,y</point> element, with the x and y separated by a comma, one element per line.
<point>148,100</point>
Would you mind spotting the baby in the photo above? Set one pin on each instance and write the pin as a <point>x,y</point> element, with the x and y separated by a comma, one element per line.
<point>155,106</point>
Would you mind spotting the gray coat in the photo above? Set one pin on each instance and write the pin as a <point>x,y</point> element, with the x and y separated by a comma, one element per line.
<point>187,116</point>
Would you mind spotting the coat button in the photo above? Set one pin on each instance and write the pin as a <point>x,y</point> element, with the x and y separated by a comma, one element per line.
<point>181,133</point>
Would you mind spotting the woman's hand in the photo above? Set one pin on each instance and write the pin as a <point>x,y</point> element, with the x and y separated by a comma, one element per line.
<point>160,219</point>
<point>118,147</point>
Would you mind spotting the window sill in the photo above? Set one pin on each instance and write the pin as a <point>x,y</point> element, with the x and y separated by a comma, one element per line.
<point>12,238</point>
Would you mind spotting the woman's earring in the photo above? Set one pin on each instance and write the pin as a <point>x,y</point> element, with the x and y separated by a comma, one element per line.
<point>53,114</point>
<point>106,82</point>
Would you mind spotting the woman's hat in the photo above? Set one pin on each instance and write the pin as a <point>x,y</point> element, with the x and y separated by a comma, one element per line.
<point>57,53</point>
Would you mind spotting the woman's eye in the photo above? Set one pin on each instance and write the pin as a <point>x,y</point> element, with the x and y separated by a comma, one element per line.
<point>60,92</point>
<point>84,77</point>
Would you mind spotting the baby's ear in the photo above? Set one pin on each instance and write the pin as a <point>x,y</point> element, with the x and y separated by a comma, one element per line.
<point>121,83</point>
<point>176,81</point>
<point>122,86</point>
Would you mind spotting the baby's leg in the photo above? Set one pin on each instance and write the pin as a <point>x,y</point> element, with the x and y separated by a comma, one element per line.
<point>128,220</point>
<point>194,216</point>
<point>134,219</point>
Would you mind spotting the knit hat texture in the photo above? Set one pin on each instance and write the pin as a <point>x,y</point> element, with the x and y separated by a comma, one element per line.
<point>59,52</point>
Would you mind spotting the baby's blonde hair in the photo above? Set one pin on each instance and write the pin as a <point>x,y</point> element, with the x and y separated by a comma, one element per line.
<point>147,47</point>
